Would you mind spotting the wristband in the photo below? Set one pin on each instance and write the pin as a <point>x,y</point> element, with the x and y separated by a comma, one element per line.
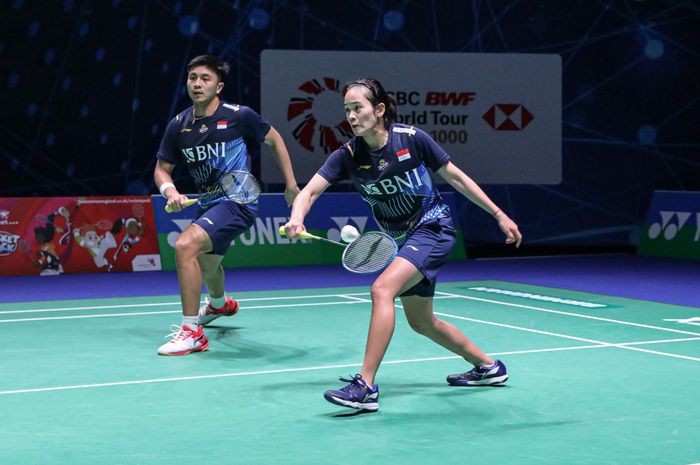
<point>164,186</point>
<point>496,212</point>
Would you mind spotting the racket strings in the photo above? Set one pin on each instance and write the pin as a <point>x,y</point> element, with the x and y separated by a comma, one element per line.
<point>240,187</point>
<point>369,253</point>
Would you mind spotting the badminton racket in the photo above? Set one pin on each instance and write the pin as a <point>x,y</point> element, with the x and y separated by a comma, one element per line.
<point>238,186</point>
<point>370,253</point>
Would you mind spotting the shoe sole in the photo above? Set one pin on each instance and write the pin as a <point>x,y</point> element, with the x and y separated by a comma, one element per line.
<point>484,382</point>
<point>371,406</point>
<point>185,352</point>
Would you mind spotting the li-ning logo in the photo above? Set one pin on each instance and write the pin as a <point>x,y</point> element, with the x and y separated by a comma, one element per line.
<point>311,133</point>
<point>508,117</point>
<point>671,228</point>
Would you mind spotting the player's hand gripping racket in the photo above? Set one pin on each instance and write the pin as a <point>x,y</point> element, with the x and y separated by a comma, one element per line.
<point>239,186</point>
<point>369,253</point>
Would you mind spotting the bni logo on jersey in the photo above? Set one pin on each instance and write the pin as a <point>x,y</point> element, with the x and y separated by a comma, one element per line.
<point>403,154</point>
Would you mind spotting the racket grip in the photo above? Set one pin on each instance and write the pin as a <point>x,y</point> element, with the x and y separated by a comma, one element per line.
<point>302,235</point>
<point>189,202</point>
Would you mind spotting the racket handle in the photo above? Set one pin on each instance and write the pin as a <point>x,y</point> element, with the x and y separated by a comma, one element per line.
<point>186,204</point>
<point>308,235</point>
<point>303,235</point>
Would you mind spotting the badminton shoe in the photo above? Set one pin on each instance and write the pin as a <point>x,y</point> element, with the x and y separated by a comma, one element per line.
<point>357,394</point>
<point>482,375</point>
<point>185,340</point>
<point>207,313</point>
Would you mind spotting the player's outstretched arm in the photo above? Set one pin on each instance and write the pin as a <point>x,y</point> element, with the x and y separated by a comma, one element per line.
<point>302,205</point>
<point>471,190</point>
<point>274,140</point>
<point>163,177</point>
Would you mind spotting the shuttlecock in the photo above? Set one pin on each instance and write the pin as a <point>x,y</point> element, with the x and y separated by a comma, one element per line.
<point>349,233</point>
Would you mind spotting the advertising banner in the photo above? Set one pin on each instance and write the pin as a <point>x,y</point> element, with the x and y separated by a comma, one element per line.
<point>55,235</point>
<point>262,245</point>
<point>672,228</point>
<point>497,115</point>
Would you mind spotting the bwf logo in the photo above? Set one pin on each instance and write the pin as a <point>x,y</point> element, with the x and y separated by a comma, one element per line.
<point>315,113</point>
<point>672,223</point>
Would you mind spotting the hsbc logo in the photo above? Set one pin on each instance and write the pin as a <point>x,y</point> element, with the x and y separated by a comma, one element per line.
<point>508,117</point>
<point>672,223</point>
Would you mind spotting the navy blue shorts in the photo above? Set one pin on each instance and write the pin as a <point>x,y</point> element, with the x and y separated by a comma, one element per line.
<point>427,248</point>
<point>224,222</point>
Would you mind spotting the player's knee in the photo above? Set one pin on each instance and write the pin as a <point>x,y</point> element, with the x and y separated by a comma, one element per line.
<point>185,246</point>
<point>382,290</point>
<point>422,326</point>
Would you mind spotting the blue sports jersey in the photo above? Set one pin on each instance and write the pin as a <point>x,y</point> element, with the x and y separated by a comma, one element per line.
<point>393,180</point>
<point>214,145</point>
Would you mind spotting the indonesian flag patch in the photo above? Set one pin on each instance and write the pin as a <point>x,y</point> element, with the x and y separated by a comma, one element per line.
<point>403,154</point>
<point>221,125</point>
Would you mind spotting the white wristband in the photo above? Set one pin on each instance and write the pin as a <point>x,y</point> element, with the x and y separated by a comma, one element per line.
<point>164,186</point>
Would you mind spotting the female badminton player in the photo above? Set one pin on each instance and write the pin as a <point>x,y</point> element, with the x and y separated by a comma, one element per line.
<point>388,163</point>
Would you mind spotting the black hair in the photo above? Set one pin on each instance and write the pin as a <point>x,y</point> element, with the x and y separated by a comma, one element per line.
<point>213,63</point>
<point>377,95</point>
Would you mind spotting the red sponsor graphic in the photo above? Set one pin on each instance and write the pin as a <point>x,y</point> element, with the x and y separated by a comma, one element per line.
<point>51,236</point>
<point>449,98</point>
<point>508,117</point>
<point>311,133</point>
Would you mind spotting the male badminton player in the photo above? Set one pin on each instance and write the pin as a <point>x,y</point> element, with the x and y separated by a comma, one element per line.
<point>211,137</point>
<point>388,164</point>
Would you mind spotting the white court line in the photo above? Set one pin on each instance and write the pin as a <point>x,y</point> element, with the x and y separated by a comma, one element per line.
<point>291,370</point>
<point>105,315</point>
<point>582,339</point>
<point>157,304</point>
<point>578,315</point>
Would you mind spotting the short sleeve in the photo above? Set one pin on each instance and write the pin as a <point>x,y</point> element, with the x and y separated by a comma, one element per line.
<point>333,170</point>
<point>433,156</point>
<point>256,127</point>
<point>168,145</point>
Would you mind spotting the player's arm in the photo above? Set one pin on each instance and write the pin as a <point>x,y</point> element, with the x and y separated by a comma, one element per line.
<point>163,177</point>
<point>471,190</point>
<point>274,140</point>
<point>302,205</point>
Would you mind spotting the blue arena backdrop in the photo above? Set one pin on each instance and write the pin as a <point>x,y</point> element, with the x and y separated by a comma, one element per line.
<point>262,245</point>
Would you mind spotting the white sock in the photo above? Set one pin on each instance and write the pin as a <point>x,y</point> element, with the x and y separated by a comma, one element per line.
<point>191,322</point>
<point>217,302</point>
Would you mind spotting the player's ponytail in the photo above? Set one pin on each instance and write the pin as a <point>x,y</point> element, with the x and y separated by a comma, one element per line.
<point>377,95</point>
